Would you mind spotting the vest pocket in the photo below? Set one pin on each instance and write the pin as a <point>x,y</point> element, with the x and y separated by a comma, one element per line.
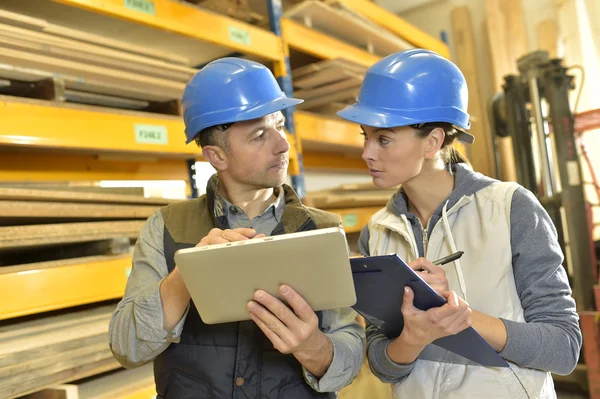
<point>184,386</point>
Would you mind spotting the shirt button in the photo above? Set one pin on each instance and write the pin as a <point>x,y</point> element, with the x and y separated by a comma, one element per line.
<point>240,381</point>
<point>233,209</point>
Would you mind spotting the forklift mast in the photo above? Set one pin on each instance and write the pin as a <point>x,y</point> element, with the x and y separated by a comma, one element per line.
<point>534,111</point>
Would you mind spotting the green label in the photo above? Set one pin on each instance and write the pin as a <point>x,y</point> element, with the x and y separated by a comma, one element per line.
<point>127,272</point>
<point>350,220</point>
<point>151,134</point>
<point>145,6</point>
<point>239,35</point>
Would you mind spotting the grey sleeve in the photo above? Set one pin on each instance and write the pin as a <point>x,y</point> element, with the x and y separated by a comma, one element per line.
<point>348,338</point>
<point>550,339</point>
<point>381,365</point>
<point>363,241</point>
<point>136,334</point>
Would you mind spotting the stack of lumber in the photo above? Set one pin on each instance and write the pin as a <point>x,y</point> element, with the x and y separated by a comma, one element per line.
<point>238,9</point>
<point>337,20</point>
<point>56,223</point>
<point>42,60</point>
<point>351,196</point>
<point>117,384</point>
<point>327,86</point>
<point>53,350</point>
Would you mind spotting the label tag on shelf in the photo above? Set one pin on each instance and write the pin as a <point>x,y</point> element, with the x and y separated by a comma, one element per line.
<point>151,134</point>
<point>239,35</point>
<point>349,220</point>
<point>145,6</point>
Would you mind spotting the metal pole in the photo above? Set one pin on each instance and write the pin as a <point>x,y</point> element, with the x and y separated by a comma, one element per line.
<point>283,69</point>
<point>556,85</point>
<point>536,106</point>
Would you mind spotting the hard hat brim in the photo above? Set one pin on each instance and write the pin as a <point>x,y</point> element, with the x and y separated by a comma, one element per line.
<point>388,118</point>
<point>251,112</point>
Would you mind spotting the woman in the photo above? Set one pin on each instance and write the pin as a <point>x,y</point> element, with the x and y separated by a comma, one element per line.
<point>509,285</point>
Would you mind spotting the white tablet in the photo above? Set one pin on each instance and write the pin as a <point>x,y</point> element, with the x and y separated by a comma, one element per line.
<point>222,278</point>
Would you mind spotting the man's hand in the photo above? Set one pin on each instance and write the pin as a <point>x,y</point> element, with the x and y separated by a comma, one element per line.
<point>173,291</point>
<point>433,275</point>
<point>292,332</point>
<point>218,236</point>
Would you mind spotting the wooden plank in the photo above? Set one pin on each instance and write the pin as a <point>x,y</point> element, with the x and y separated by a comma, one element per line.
<point>346,25</point>
<point>24,194</point>
<point>56,392</point>
<point>51,234</point>
<point>81,50</point>
<point>347,94</point>
<point>19,371</point>
<point>17,19</point>
<point>110,76</point>
<point>75,82</point>
<point>502,20</point>
<point>339,63</point>
<point>482,153</point>
<point>103,100</point>
<point>80,368</point>
<point>352,82</point>
<point>118,384</point>
<point>37,341</point>
<point>55,210</point>
<point>547,36</point>
<point>329,75</point>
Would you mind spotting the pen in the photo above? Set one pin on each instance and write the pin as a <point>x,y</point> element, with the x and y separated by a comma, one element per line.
<point>449,258</point>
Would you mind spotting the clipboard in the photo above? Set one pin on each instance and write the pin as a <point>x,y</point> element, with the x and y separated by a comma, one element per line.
<point>379,283</point>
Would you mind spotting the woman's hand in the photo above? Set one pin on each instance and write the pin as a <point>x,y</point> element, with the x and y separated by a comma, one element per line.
<point>433,275</point>
<point>423,327</point>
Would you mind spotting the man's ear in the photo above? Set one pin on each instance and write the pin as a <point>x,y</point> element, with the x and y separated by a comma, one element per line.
<point>433,142</point>
<point>216,156</point>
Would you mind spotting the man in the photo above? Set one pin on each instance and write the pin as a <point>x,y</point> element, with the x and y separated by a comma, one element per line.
<point>232,109</point>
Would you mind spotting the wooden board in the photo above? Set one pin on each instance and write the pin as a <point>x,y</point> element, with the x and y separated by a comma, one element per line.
<point>118,384</point>
<point>347,95</point>
<point>13,237</point>
<point>347,82</point>
<point>24,194</point>
<point>547,36</point>
<point>75,82</point>
<point>340,22</point>
<point>53,350</point>
<point>17,19</point>
<point>482,150</point>
<point>336,63</point>
<point>77,50</point>
<point>56,210</point>
<point>106,75</point>
<point>506,41</point>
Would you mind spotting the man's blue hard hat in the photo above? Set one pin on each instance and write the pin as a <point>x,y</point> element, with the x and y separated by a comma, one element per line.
<point>230,90</point>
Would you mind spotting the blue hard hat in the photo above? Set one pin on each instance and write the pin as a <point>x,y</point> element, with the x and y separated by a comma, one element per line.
<point>410,88</point>
<point>230,90</point>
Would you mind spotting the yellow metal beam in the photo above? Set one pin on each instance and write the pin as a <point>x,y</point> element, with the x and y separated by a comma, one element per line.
<point>190,21</point>
<point>397,25</point>
<point>36,290</point>
<point>319,129</point>
<point>318,44</point>
<point>142,393</point>
<point>34,166</point>
<point>35,124</point>
<point>354,219</point>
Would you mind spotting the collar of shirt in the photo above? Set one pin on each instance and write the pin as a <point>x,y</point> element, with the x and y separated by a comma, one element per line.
<point>223,207</point>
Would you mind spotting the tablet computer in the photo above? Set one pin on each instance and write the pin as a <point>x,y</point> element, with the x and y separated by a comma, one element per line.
<point>222,278</point>
<point>380,282</point>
